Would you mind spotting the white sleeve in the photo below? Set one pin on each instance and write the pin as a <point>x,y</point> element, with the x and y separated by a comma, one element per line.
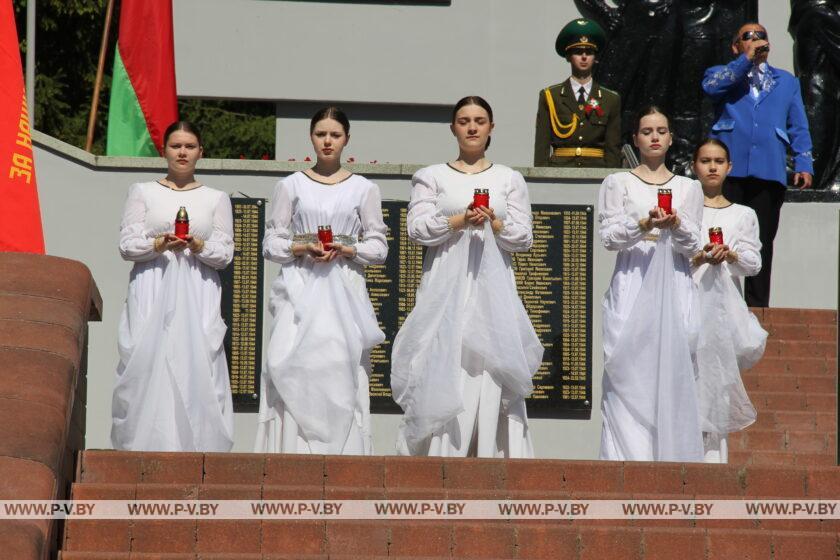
<point>617,230</point>
<point>373,247</point>
<point>686,236</point>
<point>136,244</point>
<point>517,232</point>
<point>748,247</point>
<point>425,224</point>
<point>277,241</point>
<point>218,249</point>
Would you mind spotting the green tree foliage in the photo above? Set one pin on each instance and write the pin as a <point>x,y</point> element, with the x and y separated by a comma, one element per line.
<point>232,129</point>
<point>68,37</point>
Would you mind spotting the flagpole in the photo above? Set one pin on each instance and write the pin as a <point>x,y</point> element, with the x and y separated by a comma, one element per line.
<point>30,59</point>
<point>100,68</point>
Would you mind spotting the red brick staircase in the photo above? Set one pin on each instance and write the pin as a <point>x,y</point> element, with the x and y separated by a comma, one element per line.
<point>794,390</point>
<point>787,454</point>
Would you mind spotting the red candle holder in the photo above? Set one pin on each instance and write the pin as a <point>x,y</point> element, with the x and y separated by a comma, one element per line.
<point>182,223</point>
<point>663,200</point>
<point>481,198</point>
<point>325,236</point>
<point>716,236</point>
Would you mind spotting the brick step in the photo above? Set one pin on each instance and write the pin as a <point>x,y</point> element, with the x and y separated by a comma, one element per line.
<point>753,439</point>
<point>802,421</point>
<point>800,348</point>
<point>810,366</point>
<point>790,382</point>
<point>774,401</point>
<point>123,475</point>
<point>782,458</point>
<point>229,476</point>
<point>782,315</point>
<point>495,539</point>
<point>791,331</point>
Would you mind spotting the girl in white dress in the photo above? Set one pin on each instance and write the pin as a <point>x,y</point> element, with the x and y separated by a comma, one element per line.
<point>649,404</point>
<point>731,338</point>
<point>172,391</point>
<point>464,358</point>
<point>315,387</point>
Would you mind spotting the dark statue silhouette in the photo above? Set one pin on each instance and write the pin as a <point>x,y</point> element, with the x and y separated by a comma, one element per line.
<point>815,27</point>
<point>657,52</point>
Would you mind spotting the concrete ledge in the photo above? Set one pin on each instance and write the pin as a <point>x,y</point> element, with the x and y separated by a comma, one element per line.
<point>274,167</point>
<point>282,167</point>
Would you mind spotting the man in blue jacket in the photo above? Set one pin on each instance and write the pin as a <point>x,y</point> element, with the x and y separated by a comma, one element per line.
<point>760,116</point>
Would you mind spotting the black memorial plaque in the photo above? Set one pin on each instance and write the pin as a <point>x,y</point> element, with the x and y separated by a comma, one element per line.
<point>242,304</point>
<point>554,282</point>
<point>392,287</point>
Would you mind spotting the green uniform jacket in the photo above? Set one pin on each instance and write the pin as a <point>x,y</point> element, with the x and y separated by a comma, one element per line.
<point>592,132</point>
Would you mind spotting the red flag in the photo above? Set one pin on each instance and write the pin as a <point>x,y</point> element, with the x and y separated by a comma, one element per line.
<point>20,214</point>
<point>143,98</point>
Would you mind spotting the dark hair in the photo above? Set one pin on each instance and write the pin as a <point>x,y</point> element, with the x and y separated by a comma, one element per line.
<point>473,100</point>
<point>331,112</point>
<point>645,111</point>
<point>186,126</point>
<point>713,142</point>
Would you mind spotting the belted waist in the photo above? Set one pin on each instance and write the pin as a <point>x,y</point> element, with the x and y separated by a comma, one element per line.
<point>582,152</point>
<point>313,238</point>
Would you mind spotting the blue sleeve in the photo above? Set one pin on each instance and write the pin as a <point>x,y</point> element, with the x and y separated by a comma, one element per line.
<point>800,137</point>
<point>719,80</point>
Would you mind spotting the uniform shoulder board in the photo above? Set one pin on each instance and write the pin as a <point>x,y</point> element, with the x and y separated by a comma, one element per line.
<point>607,91</point>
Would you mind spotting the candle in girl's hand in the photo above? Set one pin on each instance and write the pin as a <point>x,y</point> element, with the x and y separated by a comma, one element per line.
<point>716,236</point>
<point>325,235</point>
<point>664,200</point>
<point>182,223</point>
<point>481,197</point>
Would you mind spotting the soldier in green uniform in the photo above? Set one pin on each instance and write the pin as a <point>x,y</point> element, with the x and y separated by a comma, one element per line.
<point>578,121</point>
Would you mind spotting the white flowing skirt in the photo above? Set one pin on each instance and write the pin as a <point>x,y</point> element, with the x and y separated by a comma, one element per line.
<point>172,391</point>
<point>731,340</point>
<point>314,395</point>
<point>649,404</point>
<point>464,358</point>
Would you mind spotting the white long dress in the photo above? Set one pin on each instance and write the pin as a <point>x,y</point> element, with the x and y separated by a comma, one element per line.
<point>649,404</point>
<point>731,338</point>
<point>315,387</point>
<point>172,390</point>
<point>464,358</point>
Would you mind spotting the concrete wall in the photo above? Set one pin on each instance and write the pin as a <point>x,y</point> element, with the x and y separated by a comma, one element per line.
<point>389,66</point>
<point>81,203</point>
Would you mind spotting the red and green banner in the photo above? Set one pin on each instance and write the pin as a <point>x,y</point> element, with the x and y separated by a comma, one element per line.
<point>143,98</point>
<point>20,214</point>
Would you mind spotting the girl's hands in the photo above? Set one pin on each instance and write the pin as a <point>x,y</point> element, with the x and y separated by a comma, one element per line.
<point>659,219</point>
<point>195,244</point>
<point>489,214</point>
<point>346,251</point>
<point>715,254</point>
<point>168,242</point>
<point>321,253</point>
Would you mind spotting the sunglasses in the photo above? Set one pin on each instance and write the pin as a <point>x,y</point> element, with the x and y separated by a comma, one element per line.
<point>754,36</point>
